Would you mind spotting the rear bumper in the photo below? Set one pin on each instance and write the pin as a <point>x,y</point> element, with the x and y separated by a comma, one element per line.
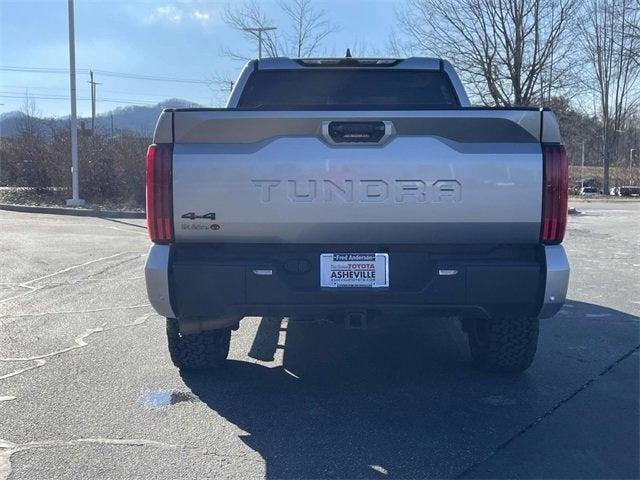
<point>212,281</point>
<point>556,280</point>
<point>156,274</point>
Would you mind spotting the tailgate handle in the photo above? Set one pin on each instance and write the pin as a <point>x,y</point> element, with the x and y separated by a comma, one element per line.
<point>357,132</point>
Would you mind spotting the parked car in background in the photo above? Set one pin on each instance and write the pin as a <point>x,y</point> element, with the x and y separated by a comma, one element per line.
<point>589,191</point>
<point>629,191</point>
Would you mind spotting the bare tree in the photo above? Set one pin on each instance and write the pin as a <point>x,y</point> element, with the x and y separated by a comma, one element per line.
<point>29,144</point>
<point>309,27</point>
<point>612,52</point>
<point>510,52</point>
<point>634,28</point>
<point>29,124</point>
<point>302,35</point>
<point>221,87</point>
<point>250,14</point>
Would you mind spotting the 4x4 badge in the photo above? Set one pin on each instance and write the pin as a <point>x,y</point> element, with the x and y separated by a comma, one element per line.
<point>193,216</point>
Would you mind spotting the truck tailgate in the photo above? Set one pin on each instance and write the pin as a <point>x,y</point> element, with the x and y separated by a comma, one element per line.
<point>460,176</point>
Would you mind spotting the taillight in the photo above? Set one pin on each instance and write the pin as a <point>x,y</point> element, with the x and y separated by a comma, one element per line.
<point>555,194</point>
<point>159,198</point>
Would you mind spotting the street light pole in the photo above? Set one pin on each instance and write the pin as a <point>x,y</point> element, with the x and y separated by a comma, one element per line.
<point>582,169</point>
<point>258,32</point>
<point>75,182</point>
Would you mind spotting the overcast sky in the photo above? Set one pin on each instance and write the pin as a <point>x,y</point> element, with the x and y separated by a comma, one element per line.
<point>178,39</point>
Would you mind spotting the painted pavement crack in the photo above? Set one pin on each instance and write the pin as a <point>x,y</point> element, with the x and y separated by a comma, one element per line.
<point>79,342</point>
<point>7,448</point>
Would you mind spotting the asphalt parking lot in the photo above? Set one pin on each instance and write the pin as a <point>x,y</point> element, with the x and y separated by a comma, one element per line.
<point>87,389</point>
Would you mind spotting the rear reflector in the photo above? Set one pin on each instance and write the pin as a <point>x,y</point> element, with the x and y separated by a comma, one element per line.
<point>159,196</point>
<point>555,194</point>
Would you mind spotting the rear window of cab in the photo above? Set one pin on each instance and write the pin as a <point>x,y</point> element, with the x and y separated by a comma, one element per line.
<point>348,89</point>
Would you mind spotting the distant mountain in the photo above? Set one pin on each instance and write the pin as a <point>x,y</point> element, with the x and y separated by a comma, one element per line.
<point>134,118</point>
<point>9,122</point>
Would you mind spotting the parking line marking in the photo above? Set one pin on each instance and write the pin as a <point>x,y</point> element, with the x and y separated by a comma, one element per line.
<point>71,312</point>
<point>64,270</point>
<point>68,269</point>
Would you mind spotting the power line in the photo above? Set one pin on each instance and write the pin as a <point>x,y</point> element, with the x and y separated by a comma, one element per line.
<point>24,87</point>
<point>55,96</point>
<point>136,76</point>
<point>19,89</point>
<point>66,97</point>
<point>108,73</point>
<point>36,69</point>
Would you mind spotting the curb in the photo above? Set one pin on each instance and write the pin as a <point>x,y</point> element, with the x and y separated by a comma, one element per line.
<point>77,212</point>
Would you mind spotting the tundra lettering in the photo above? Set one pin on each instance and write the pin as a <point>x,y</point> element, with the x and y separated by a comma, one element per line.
<point>366,191</point>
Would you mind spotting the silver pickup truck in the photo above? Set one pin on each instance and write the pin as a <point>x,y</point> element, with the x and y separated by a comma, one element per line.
<point>356,190</point>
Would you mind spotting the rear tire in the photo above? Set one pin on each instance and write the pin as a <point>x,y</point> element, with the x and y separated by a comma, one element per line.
<point>199,351</point>
<point>503,345</point>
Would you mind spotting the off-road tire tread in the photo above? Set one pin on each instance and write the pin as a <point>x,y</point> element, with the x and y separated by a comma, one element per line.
<point>510,344</point>
<point>200,351</point>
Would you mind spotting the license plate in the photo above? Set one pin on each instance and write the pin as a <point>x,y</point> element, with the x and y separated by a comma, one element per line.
<point>366,270</point>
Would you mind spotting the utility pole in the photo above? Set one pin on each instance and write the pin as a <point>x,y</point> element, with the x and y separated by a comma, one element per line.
<point>111,115</point>
<point>93,101</point>
<point>631,157</point>
<point>553,11</point>
<point>75,200</point>
<point>1,105</point>
<point>257,31</point>
<point>227,87</point>
<point>582,169</point>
